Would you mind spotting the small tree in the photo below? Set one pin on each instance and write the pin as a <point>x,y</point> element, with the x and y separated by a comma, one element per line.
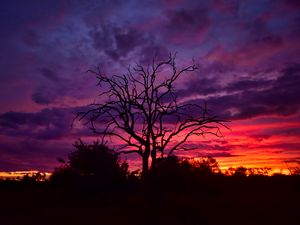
<point>93,163</point>
<point>207,166</point>
<point>142,110</point>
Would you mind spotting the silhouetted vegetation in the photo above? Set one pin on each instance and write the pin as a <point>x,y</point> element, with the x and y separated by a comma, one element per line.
<point>139,106</point>
<point>93,166</point>
<point>94,187</point>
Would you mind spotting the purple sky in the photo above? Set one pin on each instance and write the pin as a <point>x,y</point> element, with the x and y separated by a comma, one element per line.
<point>248,52</point>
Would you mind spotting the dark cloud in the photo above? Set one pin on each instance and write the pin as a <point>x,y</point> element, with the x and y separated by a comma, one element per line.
<point>256,29</point>
<point>44,97</point>
<point>292,4</point>
<point>116,41</point>
<point>271,40</point>
<point>187,24</point>
<point>228,7</point>
<point>247,84</point>
<point>47,124</point>
<point>184,20</point>
<point>254,97</point>
<point>127,40</point>
<point>57,86</point>
<point>13,119</point>
<point>260,137</point>
<point>284,146</point>
<point>202,86</point>
<point>152,50</point>
<point>285,90</point>
<point>15,15</point>
<point>289,131</point>
<point>221,154</point>
<point>50,74</point>
<point>212,146</point>
<point>32,155</point>
<point>31,38</point>
<point>208,79</point>
<point>102,38</point>
<point>196,154</point>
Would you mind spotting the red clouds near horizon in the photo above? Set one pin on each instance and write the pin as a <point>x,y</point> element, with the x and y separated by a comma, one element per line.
<point>248,53</point>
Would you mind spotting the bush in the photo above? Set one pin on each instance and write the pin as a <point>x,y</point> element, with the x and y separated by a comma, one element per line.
<point>93,165</point>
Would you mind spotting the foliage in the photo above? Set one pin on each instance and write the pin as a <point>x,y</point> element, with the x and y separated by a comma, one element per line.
<point>243,171</point>
<point>37,177</point>
<point>91,163</point>
<point>207,166</point>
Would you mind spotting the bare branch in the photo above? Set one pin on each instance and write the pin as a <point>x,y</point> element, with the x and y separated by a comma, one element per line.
<point>141,109</point>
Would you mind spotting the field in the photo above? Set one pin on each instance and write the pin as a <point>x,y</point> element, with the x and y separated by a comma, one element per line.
<point>214,200</point>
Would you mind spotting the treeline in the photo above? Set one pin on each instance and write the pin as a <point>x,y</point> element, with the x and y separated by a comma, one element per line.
<point>96,167</point>
<point>93,186</point>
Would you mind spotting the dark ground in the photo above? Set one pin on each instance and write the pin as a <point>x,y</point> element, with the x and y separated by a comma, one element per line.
<point>209,201</point>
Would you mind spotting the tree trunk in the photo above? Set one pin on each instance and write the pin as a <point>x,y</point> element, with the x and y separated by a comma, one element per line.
<point>153,157</point>
<point>145,170</point>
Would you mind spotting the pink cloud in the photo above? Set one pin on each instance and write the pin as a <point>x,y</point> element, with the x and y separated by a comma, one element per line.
<point>250,54</point>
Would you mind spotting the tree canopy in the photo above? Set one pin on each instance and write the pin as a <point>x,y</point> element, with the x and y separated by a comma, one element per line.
<point>91,163</point>
<point>141,108</point>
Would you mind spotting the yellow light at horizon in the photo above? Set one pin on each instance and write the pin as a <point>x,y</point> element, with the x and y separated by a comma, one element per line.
<point>20,174</point>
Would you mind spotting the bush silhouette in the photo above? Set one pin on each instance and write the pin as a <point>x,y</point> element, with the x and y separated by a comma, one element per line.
<point>240,171</point>
<point>206,167</point>
<point>91,165</point>
<point>183,174</point>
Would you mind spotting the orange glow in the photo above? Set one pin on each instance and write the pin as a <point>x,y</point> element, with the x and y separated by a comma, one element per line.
<point>20,174</point>
<point>253,143</point>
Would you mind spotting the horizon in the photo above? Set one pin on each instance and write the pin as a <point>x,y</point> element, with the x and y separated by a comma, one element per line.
<point>224,169</point>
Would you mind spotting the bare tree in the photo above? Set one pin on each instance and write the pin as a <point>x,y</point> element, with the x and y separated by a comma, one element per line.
<point>142,110</point>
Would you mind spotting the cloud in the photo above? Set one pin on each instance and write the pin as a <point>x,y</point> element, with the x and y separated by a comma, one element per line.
<point>50,74</point>
<point>252,53</point>
<point>32,154</point>
<point>42,97</point>
<point>226,7</point>
<point>201,86</point>
<point>196,154</point>
<point>35,140</point>
<point>291,4</point>
<point>31,39</point>
<point>247,84</point>
<point>187,25</point>
<point>260,137</point>
<point>248,98</point>
<point>54,88</point>
<point>284,146</point>
<point>115,41</point>
<point>284,131</point>
<point>52,123</point>
<point>46,47</point>
<point>127,40</point>
<point>150,50</point>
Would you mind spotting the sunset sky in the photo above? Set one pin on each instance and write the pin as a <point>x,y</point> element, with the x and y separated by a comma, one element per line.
<point>248,52</point>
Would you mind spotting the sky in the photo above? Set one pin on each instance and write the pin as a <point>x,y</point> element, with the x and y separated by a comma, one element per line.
<point>248,53</point>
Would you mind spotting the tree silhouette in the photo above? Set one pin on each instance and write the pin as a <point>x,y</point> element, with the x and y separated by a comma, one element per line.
<point>141,108</point>
<point>207,166</point>
<point>240,171</point>
<point>94,163</point>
